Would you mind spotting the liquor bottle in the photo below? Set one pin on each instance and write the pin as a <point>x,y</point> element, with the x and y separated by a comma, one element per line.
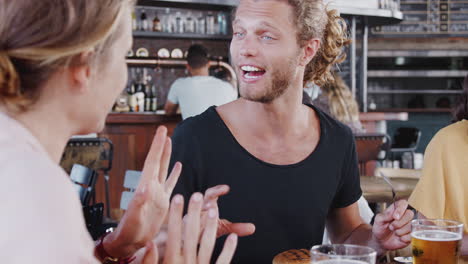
<point>154,99</point>
<point>148,96</point>
<point>132,103</point>
<point>189,24</point>
<point>179,23</point>
<point>222,23</point>
<point>157,26</point>
<point>134,21</point>
<point>144,21</point>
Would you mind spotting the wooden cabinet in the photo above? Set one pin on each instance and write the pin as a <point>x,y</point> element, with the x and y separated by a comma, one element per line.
<point>132,135</point>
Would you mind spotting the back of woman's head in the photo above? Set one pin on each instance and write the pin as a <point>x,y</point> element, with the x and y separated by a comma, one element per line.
<point>37,38</point>
<point>461,109</point>
<point>341,101</point>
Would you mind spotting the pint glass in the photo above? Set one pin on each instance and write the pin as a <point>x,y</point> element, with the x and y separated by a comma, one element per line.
<point>435,241</point>
<point>342,254</point>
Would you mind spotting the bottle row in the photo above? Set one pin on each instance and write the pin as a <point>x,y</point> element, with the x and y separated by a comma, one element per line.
<point>389,4</point>
<point>171,20</point>
<point>140,94</point>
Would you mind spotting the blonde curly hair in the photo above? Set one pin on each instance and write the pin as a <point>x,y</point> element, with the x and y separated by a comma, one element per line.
<point>315,21</point>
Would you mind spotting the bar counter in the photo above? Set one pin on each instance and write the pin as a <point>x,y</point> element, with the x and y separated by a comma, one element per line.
<point>131,134</point>
<point>376,121</point>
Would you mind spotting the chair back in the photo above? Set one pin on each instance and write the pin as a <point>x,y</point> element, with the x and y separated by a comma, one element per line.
<point>94,153</point>
<point>406,138</point>
<point>131,180</point>
<point>371,147</point>
<point>84,180</point>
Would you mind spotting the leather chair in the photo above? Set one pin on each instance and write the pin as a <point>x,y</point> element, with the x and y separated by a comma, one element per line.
<point>94,153</point>
<point>371,147</point>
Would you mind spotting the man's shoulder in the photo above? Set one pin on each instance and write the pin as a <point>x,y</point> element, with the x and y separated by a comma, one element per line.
<point>332,127</point>
<point>198,124</point>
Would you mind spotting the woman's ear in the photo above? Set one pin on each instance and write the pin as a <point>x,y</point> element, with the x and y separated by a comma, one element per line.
<point>80,73</point>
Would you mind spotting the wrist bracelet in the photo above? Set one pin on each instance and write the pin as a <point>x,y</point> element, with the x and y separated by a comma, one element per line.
<point>105,258</point>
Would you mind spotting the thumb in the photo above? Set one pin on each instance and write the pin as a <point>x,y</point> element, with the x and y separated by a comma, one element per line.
<point>400,209</point>
<point>151,254</point>
<point>241,229</point>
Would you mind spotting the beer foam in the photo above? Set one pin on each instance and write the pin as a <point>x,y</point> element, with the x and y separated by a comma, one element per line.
<point>436,235</point>
<point>340,261</point>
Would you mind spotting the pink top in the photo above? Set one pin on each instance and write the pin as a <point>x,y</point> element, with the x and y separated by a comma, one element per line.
<point>41,219</point>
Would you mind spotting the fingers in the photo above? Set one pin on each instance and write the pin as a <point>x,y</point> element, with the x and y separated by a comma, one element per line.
<point>166,157</point>
<point>192,228</point>
<point>406,238</point>
<point>151,255</point>
<point>153,159</point>
<point>212,195</point>
<point>173,178</point>
<point>209,237</point>
<point>406,229</point>
<point>174,229</point>
<point>400,208</point>
<point>228,251</point>
<point>393,212</point>
<point>404,220</point>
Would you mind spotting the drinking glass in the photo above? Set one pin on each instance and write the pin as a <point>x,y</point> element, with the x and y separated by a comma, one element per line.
<point>436,241</point>
<point>342,254</point>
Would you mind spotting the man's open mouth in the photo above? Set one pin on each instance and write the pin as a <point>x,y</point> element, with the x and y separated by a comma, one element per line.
<point>252,72</point>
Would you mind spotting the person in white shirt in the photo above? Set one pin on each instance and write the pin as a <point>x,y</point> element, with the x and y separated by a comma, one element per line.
<point>196,93</point>
<point>62,65</point>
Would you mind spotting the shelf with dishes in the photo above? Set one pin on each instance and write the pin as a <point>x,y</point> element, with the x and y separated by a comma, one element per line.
<point>416,73</point>
<point>414,91</point>
<point>167,35</point>
<point>422,81</point>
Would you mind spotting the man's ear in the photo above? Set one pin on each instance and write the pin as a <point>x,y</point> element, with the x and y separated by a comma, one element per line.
<point>80,73</point>
<point>310,49</point>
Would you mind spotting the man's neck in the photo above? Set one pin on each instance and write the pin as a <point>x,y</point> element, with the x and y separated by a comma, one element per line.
<point>200,72</point>
<point>283,118</point>
<point>278,119</point>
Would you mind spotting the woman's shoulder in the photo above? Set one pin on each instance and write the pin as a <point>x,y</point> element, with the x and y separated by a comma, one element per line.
<point>453,134</point>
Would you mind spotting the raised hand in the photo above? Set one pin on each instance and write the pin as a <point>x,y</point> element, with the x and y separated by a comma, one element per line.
<point>224,226</point>
<point>148,208</point>
<point>186,242</point>
<point>392,228</point>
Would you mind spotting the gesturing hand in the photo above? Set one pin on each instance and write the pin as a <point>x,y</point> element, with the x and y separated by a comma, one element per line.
<point>186,242</point>
<point>224,226</point>
<point>392,228</point>
<point>148,208</point>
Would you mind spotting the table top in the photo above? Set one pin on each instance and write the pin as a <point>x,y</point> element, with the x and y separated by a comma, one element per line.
<point>376,190</point>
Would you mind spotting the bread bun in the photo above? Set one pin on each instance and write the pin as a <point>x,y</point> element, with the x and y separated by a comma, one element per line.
<point>293,256</point>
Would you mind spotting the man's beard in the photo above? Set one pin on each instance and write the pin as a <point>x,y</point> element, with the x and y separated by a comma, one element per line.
<point>281,80</point>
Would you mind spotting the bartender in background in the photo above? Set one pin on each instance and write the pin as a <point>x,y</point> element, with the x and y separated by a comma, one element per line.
<point>196,93</point>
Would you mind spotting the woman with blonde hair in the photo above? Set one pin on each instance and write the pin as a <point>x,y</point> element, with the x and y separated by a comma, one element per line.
<point>62,65</point>
<point>337,100</point>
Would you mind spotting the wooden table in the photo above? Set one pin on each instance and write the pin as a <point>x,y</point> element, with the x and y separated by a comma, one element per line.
<point>376,190</point>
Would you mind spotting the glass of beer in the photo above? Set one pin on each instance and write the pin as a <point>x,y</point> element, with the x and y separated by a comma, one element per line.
<point>436,241</point>
<point>342,254</point>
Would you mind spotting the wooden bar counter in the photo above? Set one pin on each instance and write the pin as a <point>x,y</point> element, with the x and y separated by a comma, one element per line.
<point>131,134</point>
